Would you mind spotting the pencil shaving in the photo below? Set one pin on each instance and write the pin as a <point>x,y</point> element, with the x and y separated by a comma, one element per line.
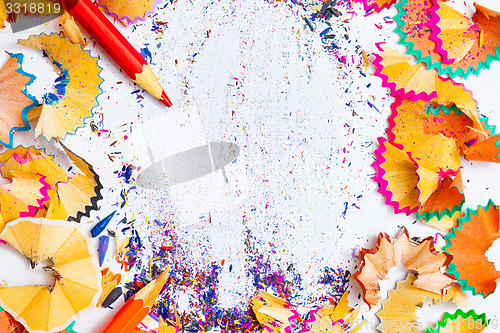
<point>339,317</point>
<point>71,30</point>
<point>420,257</point>
<point>129,10</point>
<point>377,5</point>
<point>278,315</point>
<point>459,39</point>
<point>416,82</point>
<point>32,160</point>
<point>3,15</point>
<point>418,29</point>
<point>273,313</point>
<point>79,195</point>
<point>398,310</point>
<point>109,282</point>
<point>460,322</point>
<point>407,129</point>
<point>77,87</point>
<point>468,243</point>
<point>15,102</point>
<point>22,197</point>
<point>76,284</point>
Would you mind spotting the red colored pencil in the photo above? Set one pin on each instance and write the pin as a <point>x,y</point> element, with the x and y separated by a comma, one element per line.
<point>116,46</point>
<point>136,308</point>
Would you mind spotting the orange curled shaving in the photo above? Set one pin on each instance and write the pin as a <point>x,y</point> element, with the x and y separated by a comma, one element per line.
<point>9,324</point>
<point>468,244</point>
<point>420,257</point>
<point>418,131</point>
<point>487,150</point>
<point>452,123</point>
<point>432,140</point>
<point>412,185</point>
<point>446,199</point>
<point>109,282</point>
<point>462,39</point>
<point>455,36</point>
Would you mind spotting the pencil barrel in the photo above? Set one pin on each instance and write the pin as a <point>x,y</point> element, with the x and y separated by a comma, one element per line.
<point>106,35</point>
<point>128,317</point>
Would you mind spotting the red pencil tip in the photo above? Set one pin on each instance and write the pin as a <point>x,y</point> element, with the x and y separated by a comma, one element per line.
<point>164,99</point>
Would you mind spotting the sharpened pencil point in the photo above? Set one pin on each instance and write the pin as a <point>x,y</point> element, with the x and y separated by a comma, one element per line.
<point>165,100</point>
<point>163,276</point>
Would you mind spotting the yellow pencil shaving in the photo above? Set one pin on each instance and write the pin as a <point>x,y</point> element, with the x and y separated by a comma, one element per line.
<point>121,243</point>
<point>365,59</point>
<point>109,281</point>
<point>77,286</point>
<point>316,8</point>
<point>71,29</point>
<point>3,14</point>
<point>34,112</point>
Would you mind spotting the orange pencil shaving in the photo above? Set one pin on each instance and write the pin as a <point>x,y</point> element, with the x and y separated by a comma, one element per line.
<point>136,308</point>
